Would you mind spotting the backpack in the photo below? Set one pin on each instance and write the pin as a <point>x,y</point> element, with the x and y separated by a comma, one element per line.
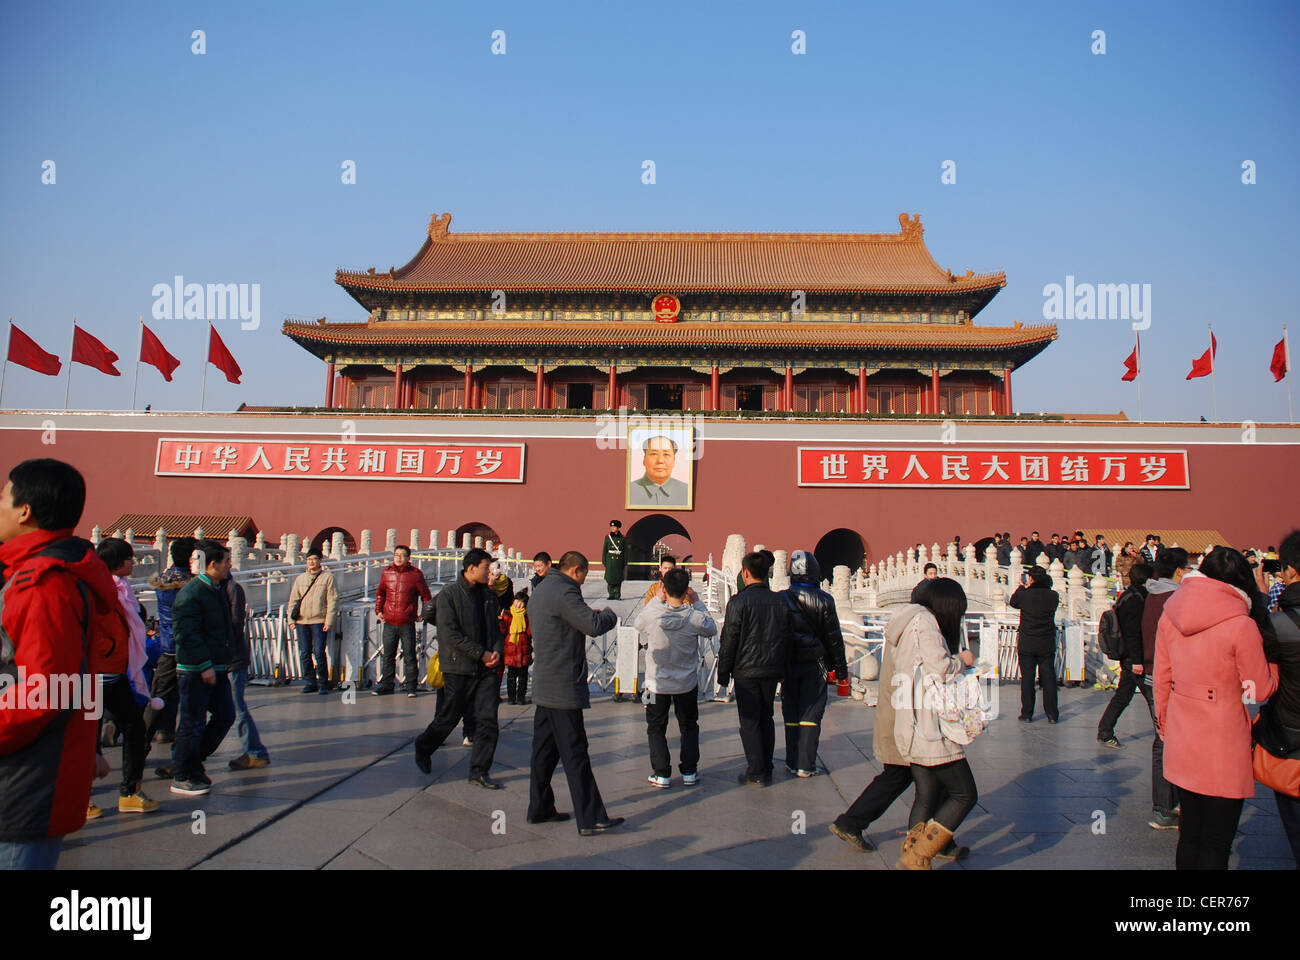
<point>1109,636</point>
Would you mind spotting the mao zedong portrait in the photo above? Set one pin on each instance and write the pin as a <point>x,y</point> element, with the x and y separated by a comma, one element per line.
<point>657,486</point>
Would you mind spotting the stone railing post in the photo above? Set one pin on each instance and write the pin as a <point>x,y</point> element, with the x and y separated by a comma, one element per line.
<point>466,542</point>
<point>951,561</point>
<point>259,542</point>
<point>338,549</point>
<point>781,570</point>
<point>999,601</point>
<point>363,547</point>
<point>990,569</point>
<point>433,540</point>
<point>291,549</point>
<point>1057,571</point>
<point>1077,595</point>
<point>390,540</point>
<point>1100,598</point>
<point>1014,571</point>
<point>238,548</point>
<point>968,567</point>
<point>415,539</point>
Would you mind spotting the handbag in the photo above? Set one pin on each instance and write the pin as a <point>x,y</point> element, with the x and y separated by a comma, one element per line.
<point>296,607</point>
<point>958,704</point>
<point>1276,773</point>
<point>434,673</point>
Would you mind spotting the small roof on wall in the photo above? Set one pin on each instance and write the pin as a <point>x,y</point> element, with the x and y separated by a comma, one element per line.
<point>1191,540</point>
<point>145,525</point>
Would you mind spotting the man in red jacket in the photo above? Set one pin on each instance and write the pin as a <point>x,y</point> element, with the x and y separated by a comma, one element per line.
<point>397,603</point>
<point>47,750</point>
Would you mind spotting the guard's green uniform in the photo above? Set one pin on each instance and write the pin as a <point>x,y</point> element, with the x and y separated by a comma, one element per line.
<point>614,557</point>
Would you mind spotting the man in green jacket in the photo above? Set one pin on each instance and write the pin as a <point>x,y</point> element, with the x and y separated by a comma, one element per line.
<point>614,557</point>
<point>204,633</point>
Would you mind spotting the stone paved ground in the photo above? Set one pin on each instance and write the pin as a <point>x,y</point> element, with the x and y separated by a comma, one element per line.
<point>343,792</point>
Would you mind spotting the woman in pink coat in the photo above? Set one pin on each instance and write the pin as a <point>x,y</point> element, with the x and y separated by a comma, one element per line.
<point>1209,664</point>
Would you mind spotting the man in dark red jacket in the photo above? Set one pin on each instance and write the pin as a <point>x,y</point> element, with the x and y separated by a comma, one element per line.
<point>47,753</point>
<point>397,603</point>
<point>1171,566</point>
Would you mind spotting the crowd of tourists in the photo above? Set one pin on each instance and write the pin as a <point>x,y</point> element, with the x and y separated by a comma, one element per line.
<point>1199,644</point>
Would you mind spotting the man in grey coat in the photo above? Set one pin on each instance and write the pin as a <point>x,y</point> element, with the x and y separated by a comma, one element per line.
<point>561,623</point>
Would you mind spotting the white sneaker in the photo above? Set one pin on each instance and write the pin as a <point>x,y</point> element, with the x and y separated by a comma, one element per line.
<point>467,742</point>
<point>663,783</point>
<point>805,774</point>
<point>690,779</point>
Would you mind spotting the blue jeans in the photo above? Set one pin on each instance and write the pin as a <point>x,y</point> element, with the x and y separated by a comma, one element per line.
<point>312,636</point>
<point>197,734</point>
<point>30,854</point>
<point>244,724</point>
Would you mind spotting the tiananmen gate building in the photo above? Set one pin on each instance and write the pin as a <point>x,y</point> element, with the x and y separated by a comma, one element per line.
<point>862,323</point>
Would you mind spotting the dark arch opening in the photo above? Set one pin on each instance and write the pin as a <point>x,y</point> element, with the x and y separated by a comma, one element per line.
<point>657,528</point>
<point>477,529</point>
<point>840,547</point>
<point>321,541</point>
<point>981,545</point>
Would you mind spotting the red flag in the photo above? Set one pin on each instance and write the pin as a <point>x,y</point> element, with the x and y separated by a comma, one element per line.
<point>88,350</point>
<point>25,352</point>
<point>1203,365</point>
<point>1278,366</point>
<point>152,351</point>
<point>220,357</point>
<point>1132,366</point>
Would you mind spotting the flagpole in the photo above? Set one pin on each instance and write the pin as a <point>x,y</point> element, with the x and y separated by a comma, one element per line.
<point>68,389</point>
<point>5,369</point>
<point>136,388</point>
<point>203,397</point>
<point>1137,352</point>
<point>1286,355</point>
<point>1214,391</point>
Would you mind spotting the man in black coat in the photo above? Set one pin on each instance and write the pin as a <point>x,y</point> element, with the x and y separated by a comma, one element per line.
<point>1278,729</point>
<point>470,646</point>
<point>1037,603</point>
<point>561,622</point>
<point>754,650</point>
<point>816,645</point>
<point>1128,610</point>
<point>1034,548</point>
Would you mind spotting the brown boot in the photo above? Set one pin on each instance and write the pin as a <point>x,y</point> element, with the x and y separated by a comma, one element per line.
<point>913,835</point>
<point>922,851</point>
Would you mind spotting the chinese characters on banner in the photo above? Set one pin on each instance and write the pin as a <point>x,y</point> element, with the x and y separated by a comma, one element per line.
<point>963,469</point>
<point>334,460</point>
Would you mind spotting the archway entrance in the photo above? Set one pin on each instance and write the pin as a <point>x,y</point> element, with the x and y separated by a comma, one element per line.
<point>321,541</point>
<point>658,534</point>
<point>475,530</point>
<point>840,547</point>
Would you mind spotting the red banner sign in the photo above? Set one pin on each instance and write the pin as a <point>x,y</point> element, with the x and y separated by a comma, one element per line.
<point>956,468</point>
<point>333,459</point>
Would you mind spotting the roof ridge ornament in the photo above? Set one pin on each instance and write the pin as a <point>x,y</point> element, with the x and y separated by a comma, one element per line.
<point>912,229</point>
<point>439,226</point>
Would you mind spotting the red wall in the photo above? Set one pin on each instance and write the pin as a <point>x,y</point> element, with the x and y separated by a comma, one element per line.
<point>573,489</point>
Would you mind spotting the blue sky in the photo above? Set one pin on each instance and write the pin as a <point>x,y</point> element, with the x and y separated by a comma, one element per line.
<point>226,167</point>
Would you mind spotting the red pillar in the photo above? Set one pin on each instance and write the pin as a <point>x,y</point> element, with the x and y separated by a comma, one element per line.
<point>539,399</point>
<point>934,391</point>
<point>469,386</point>
<point>397,387</point>
<point>329,384</point>
<point>611,400</point>
<point>789,389</point>
<point>862,390</point>
<point>1006,393</point>
<point>715,390</point>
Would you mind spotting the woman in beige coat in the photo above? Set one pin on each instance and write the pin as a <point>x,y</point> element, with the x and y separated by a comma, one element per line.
<point>893,781</point>
<point>945,786</point>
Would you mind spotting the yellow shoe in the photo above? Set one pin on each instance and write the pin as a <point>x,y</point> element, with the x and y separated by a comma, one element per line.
<point>93,812</point>
<point>137,803</point>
